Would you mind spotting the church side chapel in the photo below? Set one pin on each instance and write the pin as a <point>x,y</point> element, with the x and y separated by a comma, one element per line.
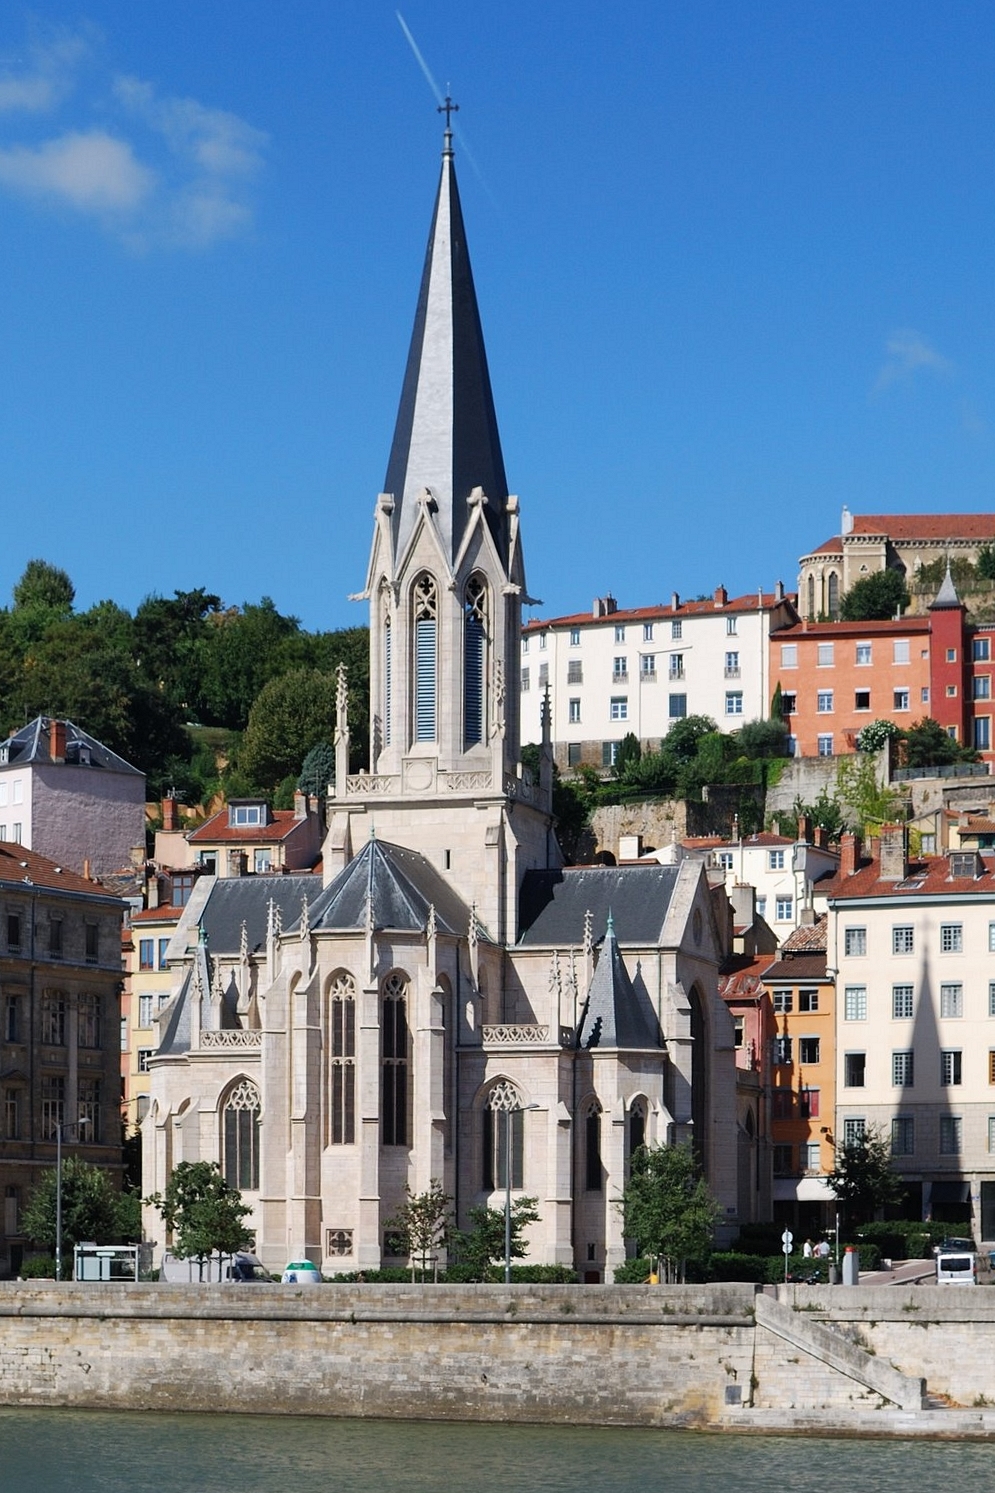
<point>448,1001</point>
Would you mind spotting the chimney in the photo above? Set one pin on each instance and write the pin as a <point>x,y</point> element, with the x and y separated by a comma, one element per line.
<point>821,837</point>
<point>721,596</point>
<point>630,847</point>
<point>169,818</point>
<point>57,740</point>
<point>849,853</point>
<point>301,806</point>
<point>894,854</point>
<point>805,828</point>
<point>779,591</point>
<point>846,521</point>
<point>744,904</point>
<point>675,601</point>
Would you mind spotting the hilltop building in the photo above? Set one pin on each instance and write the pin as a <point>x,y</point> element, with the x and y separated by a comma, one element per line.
<point>68,797</point>
<point>449,1003</point>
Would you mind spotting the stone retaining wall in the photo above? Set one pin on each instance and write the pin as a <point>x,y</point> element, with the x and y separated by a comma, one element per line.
<point>604,1355</point>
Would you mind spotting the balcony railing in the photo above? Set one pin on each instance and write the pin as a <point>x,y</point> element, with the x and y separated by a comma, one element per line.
<point>731,672</point>
<point>526,1034</point>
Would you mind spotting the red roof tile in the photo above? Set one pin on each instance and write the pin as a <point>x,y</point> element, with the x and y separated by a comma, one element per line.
<point>927,525</point>
<point>926,877</point>
<point>901,628</point>
<point>707,608</point>
<point>21,865</point>
<point>218,830</point>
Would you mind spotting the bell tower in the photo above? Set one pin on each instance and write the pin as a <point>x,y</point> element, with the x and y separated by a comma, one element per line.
<point>445,586</point>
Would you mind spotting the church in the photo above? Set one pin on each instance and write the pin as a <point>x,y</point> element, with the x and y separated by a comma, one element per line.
<point>447,1001</point>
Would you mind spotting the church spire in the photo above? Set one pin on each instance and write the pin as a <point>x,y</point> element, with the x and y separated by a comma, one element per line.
<point>446,437</point>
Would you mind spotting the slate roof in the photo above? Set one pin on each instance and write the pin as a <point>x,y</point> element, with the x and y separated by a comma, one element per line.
<point>32,744</point>
<point>446,436</point>
<point>553,904</point>
<point>237,899</point>
<point>401,884</point>
<point>946,598</point>
<point>615,1013</point>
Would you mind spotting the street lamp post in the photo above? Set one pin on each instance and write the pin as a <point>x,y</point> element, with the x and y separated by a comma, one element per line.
<point>60,1126</point>
<point>518,1109</point>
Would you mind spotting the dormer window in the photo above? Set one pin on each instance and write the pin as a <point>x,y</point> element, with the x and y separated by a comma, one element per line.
<point>242,814</point>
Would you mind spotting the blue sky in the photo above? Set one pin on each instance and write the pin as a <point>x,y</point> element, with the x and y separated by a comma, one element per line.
<point>734,262</point>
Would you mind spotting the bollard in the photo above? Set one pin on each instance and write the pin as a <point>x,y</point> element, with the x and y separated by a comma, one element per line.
<point>851,1266</point>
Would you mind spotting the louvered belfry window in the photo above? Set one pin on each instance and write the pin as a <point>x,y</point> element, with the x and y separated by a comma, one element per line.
<point>426,610</point>
<point>474,653</point>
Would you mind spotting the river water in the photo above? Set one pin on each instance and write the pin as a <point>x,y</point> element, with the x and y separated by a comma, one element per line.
<point>70,1451</point>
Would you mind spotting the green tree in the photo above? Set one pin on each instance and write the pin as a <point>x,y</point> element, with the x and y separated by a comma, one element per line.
<point>862,1177</point>
<point>761,740</point>
<point>875,597</point>
<point>864,801</point>
<point>317,771</point>
<point>777,704</point>
<point>422,1225</point>
<point>681,741</point>
<point>91,1209</point>
<point>45,587</point>
<point>291,715</point>
<point>926,744</point>
<point>629,752</point>
<point>986,562</point>
<point>203,1213</point>
<point>481,1247</point>
<point>825,813</point>
<point>668,1210</point>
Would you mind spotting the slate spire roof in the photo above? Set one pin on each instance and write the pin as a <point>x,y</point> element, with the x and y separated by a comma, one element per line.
<point>446,437</point>
<point>947,594</point>
<point>615,1015</point>
<point>390,887</point>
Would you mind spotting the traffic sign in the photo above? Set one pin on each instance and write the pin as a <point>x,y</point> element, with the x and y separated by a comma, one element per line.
<point>787,1239</point>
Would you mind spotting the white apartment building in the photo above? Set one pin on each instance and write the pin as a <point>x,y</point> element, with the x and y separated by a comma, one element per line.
<point>913,949</point>
<point>613,671</point>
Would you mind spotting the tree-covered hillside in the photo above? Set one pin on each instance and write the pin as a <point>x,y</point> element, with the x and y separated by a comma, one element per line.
<point>185,688</point>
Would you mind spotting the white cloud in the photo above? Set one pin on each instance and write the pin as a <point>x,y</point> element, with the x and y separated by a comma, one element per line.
<point>152,168</point>
<point>218,142</point>
<point>93,172</point>
<point>908,354</point>
<point>45,81</point>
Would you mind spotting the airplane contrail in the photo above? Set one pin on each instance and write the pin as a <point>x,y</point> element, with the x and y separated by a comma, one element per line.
<point>439,99</point>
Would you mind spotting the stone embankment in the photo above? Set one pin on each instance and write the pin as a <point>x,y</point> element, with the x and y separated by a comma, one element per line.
<point>877,1361</point>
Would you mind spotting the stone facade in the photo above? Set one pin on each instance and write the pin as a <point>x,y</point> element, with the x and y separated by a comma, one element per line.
<point>447,1002</point>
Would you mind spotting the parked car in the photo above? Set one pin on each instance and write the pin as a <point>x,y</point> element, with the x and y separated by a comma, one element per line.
<point>956,1267</point>
<point>243,1266</point>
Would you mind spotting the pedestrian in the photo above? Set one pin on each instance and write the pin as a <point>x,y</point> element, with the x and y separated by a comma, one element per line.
<point>823,1249</point>
<point>807,1249</point>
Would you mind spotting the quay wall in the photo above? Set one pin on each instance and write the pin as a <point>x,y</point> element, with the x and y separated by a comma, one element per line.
<point>601,1355</point>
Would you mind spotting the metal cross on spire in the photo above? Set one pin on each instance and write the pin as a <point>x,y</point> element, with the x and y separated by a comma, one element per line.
<point>447,109</point>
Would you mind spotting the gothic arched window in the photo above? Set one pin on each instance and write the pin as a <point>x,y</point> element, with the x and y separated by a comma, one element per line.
<point>811,597</point>
<point>474,659</point>
<point>637,1126</point>
<point>387,663</point>
<point>395,1063</point>
<point>342,1060</point>
<point>503,1132</point>
<point>834,596</point>
<point>593,1170</point>
<point>241,1134</point>
<point>426,616</point>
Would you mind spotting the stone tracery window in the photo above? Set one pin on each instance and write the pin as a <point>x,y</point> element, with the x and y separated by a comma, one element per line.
<point>395,1062</point>
<point>425,601</point>
<point>503,1129</point>
<point>593,1169</point>
<point>342,1060</point>
<point>637,1126</point>
<point>241,1136</point>
<point>475,631</point>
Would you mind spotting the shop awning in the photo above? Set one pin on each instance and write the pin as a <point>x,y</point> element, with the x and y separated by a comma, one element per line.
<point>802,1190</point>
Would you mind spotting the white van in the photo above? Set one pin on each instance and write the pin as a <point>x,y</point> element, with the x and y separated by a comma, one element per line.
<point>213,1268</point>
<point>956,1267</point>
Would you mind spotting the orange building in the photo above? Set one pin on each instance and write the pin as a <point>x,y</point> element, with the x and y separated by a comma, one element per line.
<point>835,677</point>
<point>803,1092</point>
